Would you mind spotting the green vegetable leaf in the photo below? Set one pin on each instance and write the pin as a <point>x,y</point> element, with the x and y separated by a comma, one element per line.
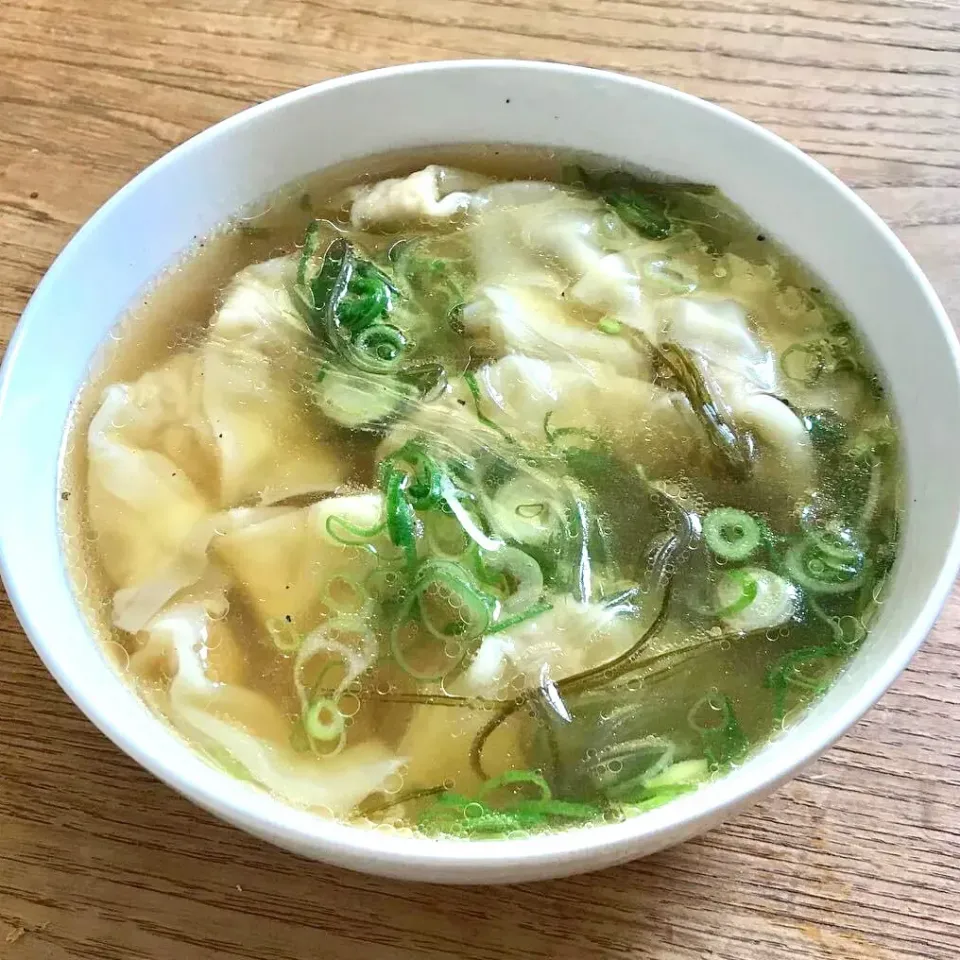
<point>645,214</point>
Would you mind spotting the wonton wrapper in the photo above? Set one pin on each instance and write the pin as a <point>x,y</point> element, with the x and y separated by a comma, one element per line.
<point>434,194</point>
<point>745,373</point>
<point>206,703</point>
<point>147,513</point>
<point>544,278</point>
<point>270,445</point>
<point>564,641</point>
<point>219,425</point>
<point>286,557</point>
<point>531,320</point>
<point>437,746</point>
<point>652,426</point>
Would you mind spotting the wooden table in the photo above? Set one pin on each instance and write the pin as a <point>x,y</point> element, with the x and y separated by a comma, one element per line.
<point>855,860</point>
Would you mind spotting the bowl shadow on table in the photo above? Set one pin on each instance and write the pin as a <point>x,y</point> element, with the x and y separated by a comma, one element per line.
<point>111,862</point>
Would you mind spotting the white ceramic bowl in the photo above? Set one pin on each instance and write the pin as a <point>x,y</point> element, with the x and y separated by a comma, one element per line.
<point>200,184</point>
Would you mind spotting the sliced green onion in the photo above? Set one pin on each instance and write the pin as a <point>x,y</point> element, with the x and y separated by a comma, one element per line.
<point>804,362</point>
<point>491,823</point>
<point>645,214</point>
<point>453,579</point>
<point>348,646</point>
<point>447,804</point>
<point>724,741</point>
<point>471,381</point>
<point>525,572</point>
<point>822,573</point>
<point>457,815</point>
<point>839,544</point>
<point>459,593</point>
<point>527,510</point>
<point>284,635</point>
<point>563,809</point>
<point>367,297</point>
<point>357,595</point>
<point>756,599</point>
<point>660,798</point>
<point>355,401</point>
<point>361,535</point>
<point>381,347</point>
<point>328,289</point>
<point>401,652</point>
<point>848,631</point>
<point>653,755</point>
<point>786,673</point>
<point>471,526</point>
<point>731,534</point>
<point>323,720</point>
<point>402,524</point>
<point>681,773</point>
<point>423,475</point>
<point>508,623</point>
<point>386,580</point>
<point>610,326</point>
<point>735,591</point>
<point>444,535</point>
<point>317,279</point>
<point>306,264</point>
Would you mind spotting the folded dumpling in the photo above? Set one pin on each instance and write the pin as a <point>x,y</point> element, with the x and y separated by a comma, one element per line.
<point>257,368</point>
<point>285,558</point>
<point>242,729</point>
<point>434,194</point>
<point>148,513</point>
<point>548,272</point>
<point>531,319</point>
<point>566,640</point>
<point>744,371</point>
<point>649,425</point>
<point>718,331</point>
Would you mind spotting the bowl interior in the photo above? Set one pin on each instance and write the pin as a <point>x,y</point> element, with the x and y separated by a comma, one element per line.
<point>145,227</point>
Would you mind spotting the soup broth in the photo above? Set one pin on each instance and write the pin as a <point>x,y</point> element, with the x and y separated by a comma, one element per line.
<point>482,494</point>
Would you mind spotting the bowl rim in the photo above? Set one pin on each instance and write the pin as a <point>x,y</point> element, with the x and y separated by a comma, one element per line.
<point>539,856</point>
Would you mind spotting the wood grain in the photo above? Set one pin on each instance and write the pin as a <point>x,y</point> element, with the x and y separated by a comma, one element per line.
<point>855,860</point>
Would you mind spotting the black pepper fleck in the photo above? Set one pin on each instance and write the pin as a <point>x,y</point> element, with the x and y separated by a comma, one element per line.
<point>507,100</point>
<point>289,619</point>
<point>462,403</point>
<point>761,237</point>
<point>34,195</point>
<point>815,290</point>
<point>65,495</point>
